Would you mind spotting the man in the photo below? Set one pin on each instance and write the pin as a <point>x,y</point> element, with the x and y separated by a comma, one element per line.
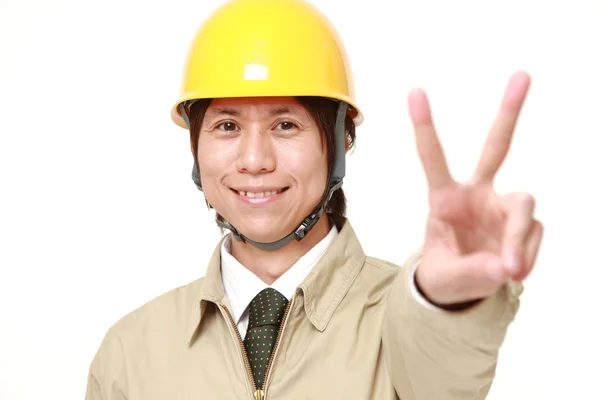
<point>291,307</point>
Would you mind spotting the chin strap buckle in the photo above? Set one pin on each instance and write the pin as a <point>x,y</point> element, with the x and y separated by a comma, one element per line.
<point>308,223</point>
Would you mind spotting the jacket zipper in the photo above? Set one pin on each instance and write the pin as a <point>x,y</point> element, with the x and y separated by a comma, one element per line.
<point>259,393</point>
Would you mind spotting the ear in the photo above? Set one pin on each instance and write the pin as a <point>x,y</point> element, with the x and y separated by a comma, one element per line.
<point>347,143</point>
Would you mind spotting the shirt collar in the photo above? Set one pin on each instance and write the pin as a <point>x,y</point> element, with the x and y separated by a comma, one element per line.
<point>241,285</point>
<point>321,291</point>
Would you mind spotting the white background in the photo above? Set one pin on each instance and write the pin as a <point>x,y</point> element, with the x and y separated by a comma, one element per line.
<point>98,213</point>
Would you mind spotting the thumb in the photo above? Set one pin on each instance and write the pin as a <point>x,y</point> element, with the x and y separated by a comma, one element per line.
<point>479,275</point>
<point>450,280</point>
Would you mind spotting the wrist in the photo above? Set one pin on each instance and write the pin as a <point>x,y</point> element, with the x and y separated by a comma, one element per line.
<point>462,306</point>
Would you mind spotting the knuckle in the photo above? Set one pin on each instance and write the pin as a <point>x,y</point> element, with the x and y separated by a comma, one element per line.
<point>539,227</point>
<point>524,201</point>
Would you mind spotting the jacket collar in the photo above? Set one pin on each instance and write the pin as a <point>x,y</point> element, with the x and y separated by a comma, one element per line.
<point>211,291</point>
<point>329,281</point>
<point>322,290</point>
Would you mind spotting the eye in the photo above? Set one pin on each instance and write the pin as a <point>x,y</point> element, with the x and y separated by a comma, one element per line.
<point>228,127</point>
<point>286,125</point>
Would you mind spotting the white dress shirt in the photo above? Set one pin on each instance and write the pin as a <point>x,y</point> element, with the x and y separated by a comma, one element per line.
<point>241,285</point>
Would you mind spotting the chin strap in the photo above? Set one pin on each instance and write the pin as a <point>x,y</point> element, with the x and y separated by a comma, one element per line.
<point>335,182</point>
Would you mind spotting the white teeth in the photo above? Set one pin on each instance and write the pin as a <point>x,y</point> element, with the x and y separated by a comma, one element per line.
<point>258,194</point>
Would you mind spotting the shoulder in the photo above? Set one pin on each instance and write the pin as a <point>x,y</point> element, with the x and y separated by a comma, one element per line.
<point>378,263</point>
<point>386,274</point>
<point>174,305</point>
<point>141,326</point>
<point>409,264</point>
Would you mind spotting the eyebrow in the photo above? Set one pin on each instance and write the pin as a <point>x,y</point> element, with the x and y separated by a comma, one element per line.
<point>224,111</point>
<point>273,112</point>
<point>283,110</point>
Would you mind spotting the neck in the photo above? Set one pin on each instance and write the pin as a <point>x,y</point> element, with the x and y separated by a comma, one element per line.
<point>270,265</point>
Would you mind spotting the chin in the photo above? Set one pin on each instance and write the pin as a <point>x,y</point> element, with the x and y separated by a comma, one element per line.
<point>263,230</point>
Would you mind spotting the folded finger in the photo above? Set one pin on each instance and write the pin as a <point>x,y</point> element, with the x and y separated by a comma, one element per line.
<point>519,209</point>
<point>532,248</point>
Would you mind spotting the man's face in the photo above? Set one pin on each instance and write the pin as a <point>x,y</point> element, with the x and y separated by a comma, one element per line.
<point>263,164</point>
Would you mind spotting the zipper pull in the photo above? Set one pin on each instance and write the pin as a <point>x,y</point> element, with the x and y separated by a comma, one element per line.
<point>259,394</point>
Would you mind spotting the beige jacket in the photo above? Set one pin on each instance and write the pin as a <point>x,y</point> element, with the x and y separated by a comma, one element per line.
<point>353,331</point>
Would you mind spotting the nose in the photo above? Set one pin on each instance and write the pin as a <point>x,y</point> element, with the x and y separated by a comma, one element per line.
<point>256,152</point>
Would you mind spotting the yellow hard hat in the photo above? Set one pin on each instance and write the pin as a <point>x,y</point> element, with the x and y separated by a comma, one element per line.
<point>256,48</point>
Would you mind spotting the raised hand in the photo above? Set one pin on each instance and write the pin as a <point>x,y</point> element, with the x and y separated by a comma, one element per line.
<point>475,239</point>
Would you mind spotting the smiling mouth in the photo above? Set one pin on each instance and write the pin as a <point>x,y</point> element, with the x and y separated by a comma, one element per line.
<point>254,195</point>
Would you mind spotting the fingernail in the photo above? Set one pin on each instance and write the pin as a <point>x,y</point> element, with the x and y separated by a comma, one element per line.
<point>511,260</point>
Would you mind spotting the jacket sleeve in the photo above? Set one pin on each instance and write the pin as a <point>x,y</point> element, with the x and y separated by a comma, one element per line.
<point>107,378</point>
<point>434,354</point>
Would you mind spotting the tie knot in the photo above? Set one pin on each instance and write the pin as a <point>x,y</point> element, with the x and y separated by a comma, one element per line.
<point>267,308</point>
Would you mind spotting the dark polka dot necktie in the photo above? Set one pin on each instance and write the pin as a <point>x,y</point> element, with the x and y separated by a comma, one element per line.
<point>266,312</point>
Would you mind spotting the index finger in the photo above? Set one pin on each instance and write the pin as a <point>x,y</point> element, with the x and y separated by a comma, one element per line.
<point>428,145</point>
<point>500,136</point>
